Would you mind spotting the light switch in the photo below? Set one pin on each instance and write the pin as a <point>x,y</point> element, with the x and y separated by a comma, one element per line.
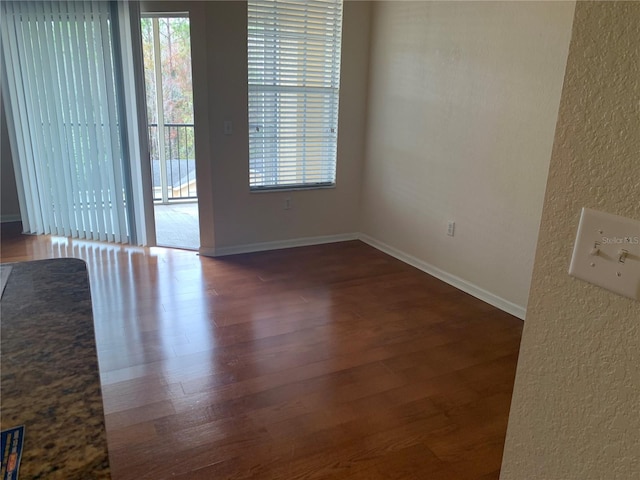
<point>228,127</point>
<point>607,252</point>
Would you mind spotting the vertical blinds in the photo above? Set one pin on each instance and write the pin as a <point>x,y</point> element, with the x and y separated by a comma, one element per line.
<point>294,79</point>
<point>60,89</point>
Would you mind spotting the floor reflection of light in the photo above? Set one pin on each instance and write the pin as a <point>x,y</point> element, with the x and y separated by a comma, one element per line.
<point>184,296</point>
<point>153,314</point>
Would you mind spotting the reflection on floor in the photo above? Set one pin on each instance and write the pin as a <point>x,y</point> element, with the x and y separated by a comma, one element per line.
<point>177,226</point>
<point>332,361</point>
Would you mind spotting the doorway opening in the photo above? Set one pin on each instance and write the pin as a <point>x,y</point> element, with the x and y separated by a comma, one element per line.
<point>166,46</point>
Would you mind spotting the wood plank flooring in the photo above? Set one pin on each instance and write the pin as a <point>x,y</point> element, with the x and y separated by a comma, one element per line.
<point>326,362</point>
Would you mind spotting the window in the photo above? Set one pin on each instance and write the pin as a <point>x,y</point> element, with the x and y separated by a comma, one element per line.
<point>294,79</point>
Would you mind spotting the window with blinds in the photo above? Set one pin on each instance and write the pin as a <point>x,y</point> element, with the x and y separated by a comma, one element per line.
<point>294,80</point>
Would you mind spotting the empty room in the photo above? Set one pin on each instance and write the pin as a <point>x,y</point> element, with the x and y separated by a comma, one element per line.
<point>321,239</point>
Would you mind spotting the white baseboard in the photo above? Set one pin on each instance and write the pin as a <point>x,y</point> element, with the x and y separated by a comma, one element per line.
<point>10,218</point>
<point>461,284</point>
<point>468,287</point>
<point>277,245</point>
<point>207,251</point>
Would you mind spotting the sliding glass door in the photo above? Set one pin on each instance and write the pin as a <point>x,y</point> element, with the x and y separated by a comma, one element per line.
<point>64,94</point>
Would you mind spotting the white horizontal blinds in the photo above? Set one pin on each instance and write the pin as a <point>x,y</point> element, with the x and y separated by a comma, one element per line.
<point>60,87</point>
<point>294,80</point>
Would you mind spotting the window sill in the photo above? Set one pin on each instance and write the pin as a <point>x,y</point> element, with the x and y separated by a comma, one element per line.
<point>292,188</point>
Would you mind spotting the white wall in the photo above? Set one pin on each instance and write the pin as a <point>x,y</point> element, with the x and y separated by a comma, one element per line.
<point>463,100</point>
<point>242,217</point>
<point>575,413</point>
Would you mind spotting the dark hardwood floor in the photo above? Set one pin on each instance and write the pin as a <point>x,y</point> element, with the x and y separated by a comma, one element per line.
<point>326,362</point>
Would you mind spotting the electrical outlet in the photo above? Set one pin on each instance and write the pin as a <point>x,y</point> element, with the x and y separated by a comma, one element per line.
<point>287,203</point>
<point>451,228</point>
<point>228,127</point>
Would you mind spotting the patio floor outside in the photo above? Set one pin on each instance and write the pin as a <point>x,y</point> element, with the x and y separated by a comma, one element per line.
<point>177,225</point>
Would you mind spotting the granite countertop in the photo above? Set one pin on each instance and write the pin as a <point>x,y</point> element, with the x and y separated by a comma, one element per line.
<point>49,371</point>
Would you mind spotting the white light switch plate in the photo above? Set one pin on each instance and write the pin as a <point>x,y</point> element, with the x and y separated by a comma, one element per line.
<point>599,252</point>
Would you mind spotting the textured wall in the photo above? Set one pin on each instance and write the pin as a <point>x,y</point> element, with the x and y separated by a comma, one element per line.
<point>576,406</point>
<point>463,102</point>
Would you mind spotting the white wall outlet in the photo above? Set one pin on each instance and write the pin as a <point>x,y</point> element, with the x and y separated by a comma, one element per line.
<point>451,228</point>
<point>607,252</point>
<point>228,127</point>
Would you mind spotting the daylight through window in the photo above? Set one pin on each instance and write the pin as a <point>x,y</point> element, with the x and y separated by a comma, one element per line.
<point>294,80</point>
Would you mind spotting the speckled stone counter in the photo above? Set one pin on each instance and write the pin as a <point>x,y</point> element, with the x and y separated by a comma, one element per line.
<point>49,371</point>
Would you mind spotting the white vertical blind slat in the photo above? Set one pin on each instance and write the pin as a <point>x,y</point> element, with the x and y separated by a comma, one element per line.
<point>116,179</point>
<point>38,222</point>
<point>73,125</point>
<point>87,99</point>
<point>85,177</point>
<point>12,81</point>
<point>93,111</point>
<point>28,58</point>
<point>133,118</point>
<point>97,126</point>
<point>52,87</point>
<point>51,141</point>
<point>113,182</point>
<point>111,213</point>
<point>64,116</point>
<point>81,150</point>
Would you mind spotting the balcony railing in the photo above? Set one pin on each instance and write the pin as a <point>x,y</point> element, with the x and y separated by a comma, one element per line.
<point>174,176</point>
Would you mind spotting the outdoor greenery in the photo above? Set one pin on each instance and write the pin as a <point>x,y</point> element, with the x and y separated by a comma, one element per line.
<point>175,52</point>
<point>174,47</point>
